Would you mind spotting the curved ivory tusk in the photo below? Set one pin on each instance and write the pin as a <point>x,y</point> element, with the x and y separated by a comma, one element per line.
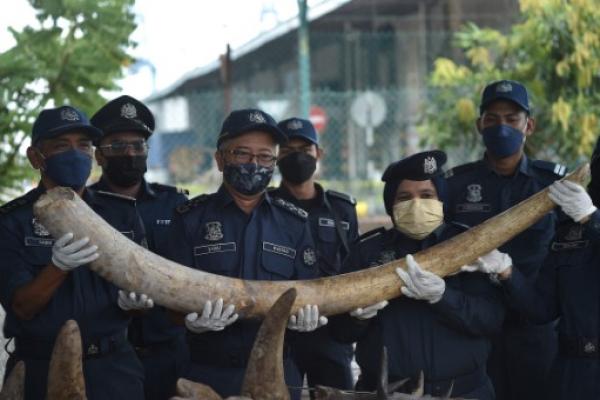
<point>65,374</point>
<point>179,288</point>
<point>264,377</point>
<point>189,390</point>
<point>14,386</point>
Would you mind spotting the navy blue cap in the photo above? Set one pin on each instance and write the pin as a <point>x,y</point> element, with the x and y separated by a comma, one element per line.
<point>505,90</point>
<point>124,114</point>
<point>299,128</point>
<point>53,122</point>
<point>239,122</point>
<point>422,166</point>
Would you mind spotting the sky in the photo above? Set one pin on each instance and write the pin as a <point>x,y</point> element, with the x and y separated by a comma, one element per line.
<point>176,36</point>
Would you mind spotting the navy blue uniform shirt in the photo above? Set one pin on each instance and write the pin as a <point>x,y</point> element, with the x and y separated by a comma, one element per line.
<point>26,249</point>
<point>445,340</point>
<point>212,234</point>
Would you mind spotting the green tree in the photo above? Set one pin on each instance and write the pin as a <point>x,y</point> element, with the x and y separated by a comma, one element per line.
<point>554,50</point>
<point>78,50</point>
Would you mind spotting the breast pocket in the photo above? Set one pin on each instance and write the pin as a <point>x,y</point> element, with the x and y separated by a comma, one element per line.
<point>38,251</point>
<point>217,258</point>
<point>277,262</point>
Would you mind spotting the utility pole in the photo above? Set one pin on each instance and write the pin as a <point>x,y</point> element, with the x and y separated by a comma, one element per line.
<point>225,70</point>
<point>303,59</point>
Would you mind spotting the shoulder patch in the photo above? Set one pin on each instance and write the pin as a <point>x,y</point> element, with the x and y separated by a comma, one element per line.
<point>15,204</point>
<point>159,187</point>
<point>371,234</point>
<point>286,205</point>
<point>115,195</point>
<point>192,203</point>
<point>461,169</point>
<point>343,196</point>
<point>556,169</point>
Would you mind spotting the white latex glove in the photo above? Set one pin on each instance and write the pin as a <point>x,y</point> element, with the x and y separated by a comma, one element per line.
<point>133,301</point>
<point>307,319</point>
<point>68,256</point>
<point>572,198</point>
<point>212,319</point>
<point>494,262</point>
<point>368,312</point>
<point>420,284</point>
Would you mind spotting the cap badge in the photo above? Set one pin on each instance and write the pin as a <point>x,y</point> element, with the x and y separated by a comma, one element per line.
<point>128,110</point>
<point>294,125</point>
<point>257,118</point>
<point>68,114</point>
<point>504,87</point>
<point>429,165</point>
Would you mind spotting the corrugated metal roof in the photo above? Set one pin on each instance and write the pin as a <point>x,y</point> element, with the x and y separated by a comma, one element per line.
<point>314,12</point>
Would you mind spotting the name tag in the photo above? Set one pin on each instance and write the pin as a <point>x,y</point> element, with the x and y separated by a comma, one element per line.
<point>215,248</point>
<point>329,223</point>
<point>278,249</point>
<point>38,242</point>
<point>563,246</point>
<point>164,222</point>
<point>473,207</point>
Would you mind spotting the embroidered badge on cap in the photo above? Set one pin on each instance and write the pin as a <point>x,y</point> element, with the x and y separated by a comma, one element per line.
<point>128,110</point>
<point>257,118</point>
<point>504,87</point>
<point>294,125</point>
<point>69,114</point>
<point>38,228</point>
<point>474,193</point>
<point>429,165</point>
<point>213,231</point>
<point>309,256</point>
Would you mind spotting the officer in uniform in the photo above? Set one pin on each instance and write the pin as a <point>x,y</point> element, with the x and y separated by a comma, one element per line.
<point>440,326</point>
<point>522,355</point>
<point>566,288</point>
<point>44,282</point>
<point>334,226</point>
<point>122,153</point>
<point>242,231</point>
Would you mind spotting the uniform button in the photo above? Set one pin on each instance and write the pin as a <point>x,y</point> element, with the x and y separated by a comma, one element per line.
<point>589,348</point>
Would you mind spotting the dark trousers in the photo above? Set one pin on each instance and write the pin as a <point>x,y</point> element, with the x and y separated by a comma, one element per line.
<point>115,375</point>
<point>163,364</point>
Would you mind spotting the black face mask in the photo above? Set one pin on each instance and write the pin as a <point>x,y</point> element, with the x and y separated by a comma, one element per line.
<point>125,171</point>
<point>297,167</point>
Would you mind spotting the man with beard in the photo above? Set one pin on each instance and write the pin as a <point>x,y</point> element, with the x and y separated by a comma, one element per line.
<point>522,355</point>
<point>567,289</point>
<point>44,281</point>
<point>242,231</point>
<point>334,226</point>
<point>122,152</point>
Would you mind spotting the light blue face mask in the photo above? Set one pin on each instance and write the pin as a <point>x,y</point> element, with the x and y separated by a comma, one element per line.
<point>502,140</point>
<point>70,168</point>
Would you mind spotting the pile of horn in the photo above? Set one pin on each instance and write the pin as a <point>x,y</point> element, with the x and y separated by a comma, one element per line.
<point>184,289</point>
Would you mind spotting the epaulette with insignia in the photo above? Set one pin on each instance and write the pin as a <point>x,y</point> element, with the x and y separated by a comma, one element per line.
<point>286,205</point>
<point>15,204</point>
<point>371,234</point>
<point>556,169</point>
<point>342,196</point>
<point>115,195</point>
<point>192,203</point>
<point>159,187</point>
<point>461,169</point>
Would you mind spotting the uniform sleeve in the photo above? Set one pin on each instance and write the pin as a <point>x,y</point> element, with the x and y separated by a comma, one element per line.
<point>539,301</point>
<point>14,270</point>
<point>179,247</point>
<point>475,308</point>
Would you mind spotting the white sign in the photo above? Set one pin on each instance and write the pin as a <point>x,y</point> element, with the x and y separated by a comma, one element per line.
<point>368,110</point>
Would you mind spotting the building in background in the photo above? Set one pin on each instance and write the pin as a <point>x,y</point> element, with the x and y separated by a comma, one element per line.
<point>370,60</point>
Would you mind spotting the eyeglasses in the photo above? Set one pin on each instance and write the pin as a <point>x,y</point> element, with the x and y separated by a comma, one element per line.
<point>244,157</point>
<point>121,148</point>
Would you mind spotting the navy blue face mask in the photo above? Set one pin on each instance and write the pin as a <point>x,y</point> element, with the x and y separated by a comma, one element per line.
<point>70,168</point>
<point>502,140</point>
<point>248,179</point>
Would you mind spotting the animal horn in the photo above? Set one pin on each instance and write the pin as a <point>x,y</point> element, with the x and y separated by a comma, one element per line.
<point>14,387</point>
<point>382,385</point>
<point>420,386</point>
<point>264,374</point>
<point>183,289</point>
<point>65,374</point>
<point>188,390</point>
